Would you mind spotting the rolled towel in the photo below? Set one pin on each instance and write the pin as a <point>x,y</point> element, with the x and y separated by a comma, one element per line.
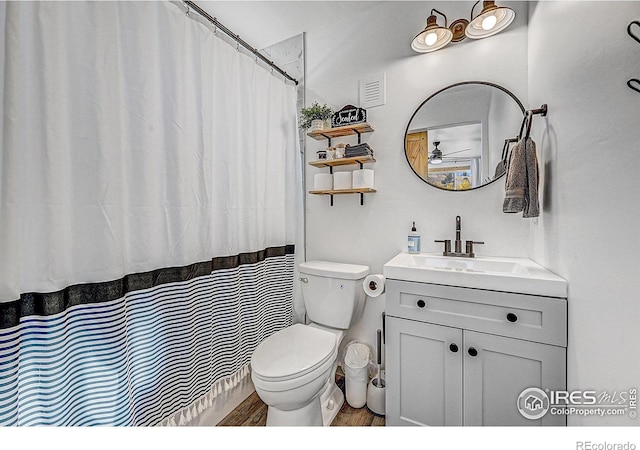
<point>521,187</point>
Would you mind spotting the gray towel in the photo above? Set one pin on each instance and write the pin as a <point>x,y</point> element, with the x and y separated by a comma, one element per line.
<point>499,169</point>
<point>521,188</point>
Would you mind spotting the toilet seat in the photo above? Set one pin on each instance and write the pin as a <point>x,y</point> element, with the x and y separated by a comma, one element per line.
<point>292,353</point>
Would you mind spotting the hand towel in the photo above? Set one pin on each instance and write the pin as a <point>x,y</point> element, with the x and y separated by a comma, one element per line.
<point>521,188</point>
<point>500,169</point>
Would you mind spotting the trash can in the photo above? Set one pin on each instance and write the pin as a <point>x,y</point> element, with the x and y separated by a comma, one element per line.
<point>356,362</point>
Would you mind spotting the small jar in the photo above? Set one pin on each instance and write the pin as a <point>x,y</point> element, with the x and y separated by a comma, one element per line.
<point>331,153</point>
<point>340,150</point>
<point>322,154</point>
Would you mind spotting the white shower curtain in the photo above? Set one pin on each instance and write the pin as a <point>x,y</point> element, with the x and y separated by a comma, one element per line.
<point>133,141</point>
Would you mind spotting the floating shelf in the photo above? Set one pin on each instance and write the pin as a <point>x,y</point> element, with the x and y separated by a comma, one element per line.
<point>344,191</point>
<point>333,192</point>
<point>342,161</point>
<point>347,130</point>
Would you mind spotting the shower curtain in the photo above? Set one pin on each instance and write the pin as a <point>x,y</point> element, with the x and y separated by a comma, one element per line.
<point>150,194</point>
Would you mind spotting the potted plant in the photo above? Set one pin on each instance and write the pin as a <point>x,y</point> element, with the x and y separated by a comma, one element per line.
<point>316,117</point>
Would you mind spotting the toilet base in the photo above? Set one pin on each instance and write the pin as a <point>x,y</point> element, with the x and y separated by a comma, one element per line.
<point>331,401</point>
<point>309,415</point>
<point>322,410</point>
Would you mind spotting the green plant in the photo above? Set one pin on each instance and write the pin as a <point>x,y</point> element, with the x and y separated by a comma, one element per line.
<point>313,112</point>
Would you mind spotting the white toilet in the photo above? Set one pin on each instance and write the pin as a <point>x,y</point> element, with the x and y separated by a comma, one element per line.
<point>294,369</point>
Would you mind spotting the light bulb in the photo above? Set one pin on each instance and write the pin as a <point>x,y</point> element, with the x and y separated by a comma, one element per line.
<point>489,22</point>
<point>430,39</point>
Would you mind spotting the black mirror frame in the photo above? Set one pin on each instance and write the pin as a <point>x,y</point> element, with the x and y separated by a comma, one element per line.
<point>462,83</point>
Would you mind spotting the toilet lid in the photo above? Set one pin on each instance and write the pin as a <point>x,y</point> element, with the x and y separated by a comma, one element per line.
<point>292,352</point>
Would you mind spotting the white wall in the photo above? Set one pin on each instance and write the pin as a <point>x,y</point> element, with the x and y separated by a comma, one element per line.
<point>590,152</point>
<point>375,37</point>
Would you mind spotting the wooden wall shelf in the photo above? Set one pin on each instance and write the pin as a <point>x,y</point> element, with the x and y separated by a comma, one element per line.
<point>342,161</point>
<point>347,130</point>
<point>333,192</point>
<point>344,191</point>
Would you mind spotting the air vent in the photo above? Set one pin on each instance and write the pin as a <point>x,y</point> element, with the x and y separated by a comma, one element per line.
<point>372,91</point>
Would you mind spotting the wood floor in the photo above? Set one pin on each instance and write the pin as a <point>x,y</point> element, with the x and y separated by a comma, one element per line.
<point>253,413</point>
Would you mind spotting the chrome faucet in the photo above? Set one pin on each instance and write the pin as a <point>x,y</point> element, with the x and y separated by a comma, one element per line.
<point>458,244</point>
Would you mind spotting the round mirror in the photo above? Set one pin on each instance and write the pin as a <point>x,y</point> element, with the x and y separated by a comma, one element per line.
<point>459,138</point>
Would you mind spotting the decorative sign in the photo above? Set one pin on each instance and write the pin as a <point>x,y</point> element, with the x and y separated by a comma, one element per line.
<point>348,115</point>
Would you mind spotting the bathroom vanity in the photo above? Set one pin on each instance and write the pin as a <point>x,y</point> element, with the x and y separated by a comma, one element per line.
<point>466,336</point>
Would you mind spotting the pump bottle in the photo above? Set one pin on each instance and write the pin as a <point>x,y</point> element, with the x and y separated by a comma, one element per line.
<point>413,240</point>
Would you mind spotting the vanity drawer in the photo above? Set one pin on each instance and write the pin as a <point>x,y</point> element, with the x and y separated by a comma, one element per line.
<point>528,317</point>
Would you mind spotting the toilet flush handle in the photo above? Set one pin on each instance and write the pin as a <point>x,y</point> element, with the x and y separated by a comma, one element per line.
<point>304,280</point>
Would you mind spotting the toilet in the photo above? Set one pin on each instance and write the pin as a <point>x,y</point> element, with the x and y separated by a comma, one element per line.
<point>293,370</point>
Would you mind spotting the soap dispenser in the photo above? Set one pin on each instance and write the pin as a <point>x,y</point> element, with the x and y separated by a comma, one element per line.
<point>414,240</point>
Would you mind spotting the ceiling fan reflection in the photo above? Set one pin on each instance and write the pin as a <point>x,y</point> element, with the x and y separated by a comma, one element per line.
<point>437,156</point>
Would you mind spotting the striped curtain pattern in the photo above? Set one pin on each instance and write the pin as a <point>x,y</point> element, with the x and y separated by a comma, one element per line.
<point>143,358</point>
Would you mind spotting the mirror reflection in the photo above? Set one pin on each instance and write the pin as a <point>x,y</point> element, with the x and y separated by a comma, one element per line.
<point>458,138</point>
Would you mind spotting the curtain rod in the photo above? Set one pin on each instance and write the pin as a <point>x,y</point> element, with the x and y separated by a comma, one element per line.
<point>235,37</point>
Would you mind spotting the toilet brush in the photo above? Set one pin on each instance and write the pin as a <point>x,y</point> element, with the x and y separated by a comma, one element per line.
<point>376,389</point>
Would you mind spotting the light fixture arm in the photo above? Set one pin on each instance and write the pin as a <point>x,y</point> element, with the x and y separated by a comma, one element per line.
<point>472,8</point>
<point>486,6</point>
<point>446,24</point>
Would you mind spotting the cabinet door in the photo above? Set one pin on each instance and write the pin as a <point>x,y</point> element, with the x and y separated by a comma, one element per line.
<point>501,370</point>
<point>423,373</point>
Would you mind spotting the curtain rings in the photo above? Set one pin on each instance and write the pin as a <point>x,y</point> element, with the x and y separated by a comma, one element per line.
<point>186,7</point>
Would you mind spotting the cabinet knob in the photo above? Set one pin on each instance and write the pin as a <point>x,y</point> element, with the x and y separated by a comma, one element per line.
<point>421,303</point>
<point>453,348</point>
<point>511,317</point>
<point>472,351</point>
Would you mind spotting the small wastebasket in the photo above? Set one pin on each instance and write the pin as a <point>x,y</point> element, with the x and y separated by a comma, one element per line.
<point>356,362</point>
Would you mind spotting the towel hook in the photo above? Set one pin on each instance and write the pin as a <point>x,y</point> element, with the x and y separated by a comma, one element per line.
<point>529,126</point>
<point>526,120</point>
<point>635,22</point>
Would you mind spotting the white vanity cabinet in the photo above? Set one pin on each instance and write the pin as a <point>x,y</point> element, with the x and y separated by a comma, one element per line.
<point>461,356</point>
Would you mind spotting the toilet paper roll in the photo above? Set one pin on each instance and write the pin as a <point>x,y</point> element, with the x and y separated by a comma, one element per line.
<point>342,180</point>
<point>374,285</point>
<point>363,178</point>
<point>322,182</point>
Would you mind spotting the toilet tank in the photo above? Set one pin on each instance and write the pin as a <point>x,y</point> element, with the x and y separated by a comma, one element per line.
<point>332,292</point>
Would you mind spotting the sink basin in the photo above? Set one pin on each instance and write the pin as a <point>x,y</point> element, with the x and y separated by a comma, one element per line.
<point>519,275</point>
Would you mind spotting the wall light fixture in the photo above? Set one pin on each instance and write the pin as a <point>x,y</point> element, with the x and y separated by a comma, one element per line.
<point>491,20</point>
<point>433,37</point>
